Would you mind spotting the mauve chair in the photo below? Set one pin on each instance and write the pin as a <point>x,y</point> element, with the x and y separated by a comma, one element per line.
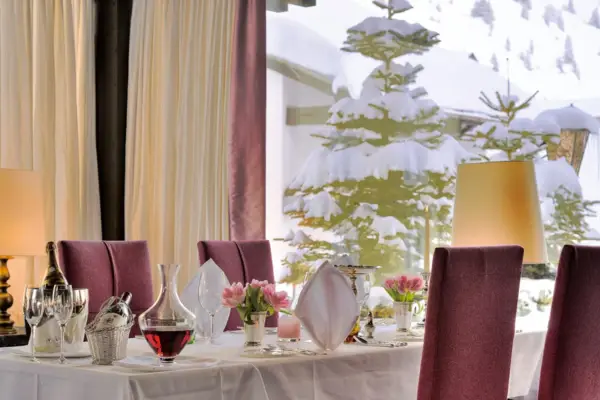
<point>241,261</point>
<point>108,268</point>
<point>470,323</point>
<point>571,361</point>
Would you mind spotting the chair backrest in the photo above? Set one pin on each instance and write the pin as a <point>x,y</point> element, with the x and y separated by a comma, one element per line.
<point>571,361</point>
<point>470,323</point>
<point>109,268</point>
<point>241,261</point>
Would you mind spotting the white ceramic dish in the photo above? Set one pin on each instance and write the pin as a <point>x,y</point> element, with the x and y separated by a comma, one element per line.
<point>149,363</point>
<point>26,352</point>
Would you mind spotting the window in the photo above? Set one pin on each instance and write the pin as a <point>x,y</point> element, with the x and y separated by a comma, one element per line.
<point>369,114</point>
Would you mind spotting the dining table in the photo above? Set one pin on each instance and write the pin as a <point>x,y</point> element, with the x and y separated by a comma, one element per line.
<point>222,370</point>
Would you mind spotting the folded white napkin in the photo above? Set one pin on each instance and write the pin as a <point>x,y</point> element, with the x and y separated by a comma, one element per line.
<point>189,298</point>
<point>327,307</point>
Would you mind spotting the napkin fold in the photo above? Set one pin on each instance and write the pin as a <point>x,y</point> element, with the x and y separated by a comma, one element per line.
<point>189,298</point>
<point>327,307</point>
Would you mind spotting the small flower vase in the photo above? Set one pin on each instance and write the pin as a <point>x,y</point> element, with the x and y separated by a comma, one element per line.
<point>403,312</point>
<point>255,332</point>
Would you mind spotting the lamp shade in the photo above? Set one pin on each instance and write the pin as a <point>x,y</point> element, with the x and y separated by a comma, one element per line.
<point>497,204</point>
<point>21,213</point>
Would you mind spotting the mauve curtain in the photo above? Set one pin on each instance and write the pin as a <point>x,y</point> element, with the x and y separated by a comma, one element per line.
<point>247,141</point>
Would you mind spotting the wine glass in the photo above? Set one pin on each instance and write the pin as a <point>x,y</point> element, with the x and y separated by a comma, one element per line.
<point>62,307</point>
<point>33,309</point>
<point>209,294</point>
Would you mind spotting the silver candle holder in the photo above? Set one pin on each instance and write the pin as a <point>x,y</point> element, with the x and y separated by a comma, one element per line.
<point>426,276</point>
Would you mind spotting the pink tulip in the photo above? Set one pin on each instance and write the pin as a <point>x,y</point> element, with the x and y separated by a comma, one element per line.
<point>234,296</point>
<point>258,284</point>
<point>416,284</point>
<point>390,284</point>
<point>403,285</point>
<point>277,300</point>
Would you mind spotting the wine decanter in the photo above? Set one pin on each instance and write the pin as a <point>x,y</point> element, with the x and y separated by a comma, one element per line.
<point>167,325</point>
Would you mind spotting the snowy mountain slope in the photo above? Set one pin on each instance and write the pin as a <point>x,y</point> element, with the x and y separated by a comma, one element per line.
<point>536,51</point>
<point>535,57</point>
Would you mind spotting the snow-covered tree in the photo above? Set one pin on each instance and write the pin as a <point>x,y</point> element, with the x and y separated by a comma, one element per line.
<point>507,137</point>
<point>564,210</point>
<point>507,45</point>
<point>554,15</point>
<point>525,8</point>
<point>483,9</point>
<point>494,62</point>
<point>595,19</point>
<point>383,162</point>
<point>569,57</point>
<point>570,7</point>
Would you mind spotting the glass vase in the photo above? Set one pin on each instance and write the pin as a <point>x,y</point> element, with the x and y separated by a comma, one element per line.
<point>255,333</point>
<point>403,313</point>
<point>167,325</point>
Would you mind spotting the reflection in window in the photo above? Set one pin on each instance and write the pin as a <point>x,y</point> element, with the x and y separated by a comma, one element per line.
<point>370,111</point>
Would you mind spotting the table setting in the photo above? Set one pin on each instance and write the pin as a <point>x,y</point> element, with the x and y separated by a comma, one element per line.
<point>320,349</point>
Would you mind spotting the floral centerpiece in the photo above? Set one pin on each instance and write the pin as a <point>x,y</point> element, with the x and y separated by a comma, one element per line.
<point>405,291</point>
<point>255,302</point>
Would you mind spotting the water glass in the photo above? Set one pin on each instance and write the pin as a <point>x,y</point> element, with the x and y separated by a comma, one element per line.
<point>33,309</point>
<point>62,309</point>
<point>209,295</point>
<point>288,329</point>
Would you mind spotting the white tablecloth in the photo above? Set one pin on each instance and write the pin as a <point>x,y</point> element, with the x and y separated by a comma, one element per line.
<point>351,372</point>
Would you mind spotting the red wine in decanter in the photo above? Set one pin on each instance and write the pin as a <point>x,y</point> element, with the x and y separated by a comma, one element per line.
<point>167,343</point>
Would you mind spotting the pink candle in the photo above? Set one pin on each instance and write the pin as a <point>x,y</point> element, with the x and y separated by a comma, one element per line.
<point>288,327</point>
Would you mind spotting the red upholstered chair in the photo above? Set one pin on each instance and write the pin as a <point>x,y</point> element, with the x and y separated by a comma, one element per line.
<point>571,361</point>
<point>241,261</point>
<point>109,269</point>
<point>470,323</point>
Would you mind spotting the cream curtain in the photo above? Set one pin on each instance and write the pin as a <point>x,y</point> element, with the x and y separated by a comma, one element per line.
<point>176,165</point>
<point>47,116</point>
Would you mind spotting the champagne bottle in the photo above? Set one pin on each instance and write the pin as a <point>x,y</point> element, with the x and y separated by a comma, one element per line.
<point>117,314</point>
<point>53,277</point>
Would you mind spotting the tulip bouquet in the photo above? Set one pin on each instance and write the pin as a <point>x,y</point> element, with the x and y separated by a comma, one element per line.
<point>404,289</point>
<point>255,297</point>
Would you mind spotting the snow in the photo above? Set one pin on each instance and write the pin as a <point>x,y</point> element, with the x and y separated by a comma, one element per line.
<point>322,205</point>
<point>551,175</point>
<point>388,226</point>
<point>393,28</point>
<point>394,5</point>
<point>572,118</point>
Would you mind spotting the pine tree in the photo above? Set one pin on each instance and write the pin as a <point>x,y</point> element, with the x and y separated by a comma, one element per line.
<point>494,62</point>
<point>512,138</point>
<point>383,163</point>
<point>595,19</point>
<point>570,7</point>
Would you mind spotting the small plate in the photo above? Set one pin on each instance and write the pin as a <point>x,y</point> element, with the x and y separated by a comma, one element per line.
<point>68,354</point>
<point>267,353</point>
<point>268,331</point>
<point>150,363</point>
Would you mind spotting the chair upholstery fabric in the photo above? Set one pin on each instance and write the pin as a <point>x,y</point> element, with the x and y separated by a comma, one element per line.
<point>241,261</point>
<point>470,323</point>
<point>571,361</point>
<point>109,268</point>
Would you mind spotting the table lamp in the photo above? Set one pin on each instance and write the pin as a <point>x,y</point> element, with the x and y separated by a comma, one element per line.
<point>22,233</point>
<point>497,204</point>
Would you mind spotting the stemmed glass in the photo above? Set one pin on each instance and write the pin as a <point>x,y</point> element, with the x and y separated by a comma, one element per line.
<point>62,307</point>
<point>33,309</point>
<point>209,294</point>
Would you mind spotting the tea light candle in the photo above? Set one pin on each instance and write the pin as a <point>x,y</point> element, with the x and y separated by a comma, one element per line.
<point>288,328</point>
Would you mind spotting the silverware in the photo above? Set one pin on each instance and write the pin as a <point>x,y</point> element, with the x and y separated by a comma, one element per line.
<point>378,343</point>
<point>305,352</point>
